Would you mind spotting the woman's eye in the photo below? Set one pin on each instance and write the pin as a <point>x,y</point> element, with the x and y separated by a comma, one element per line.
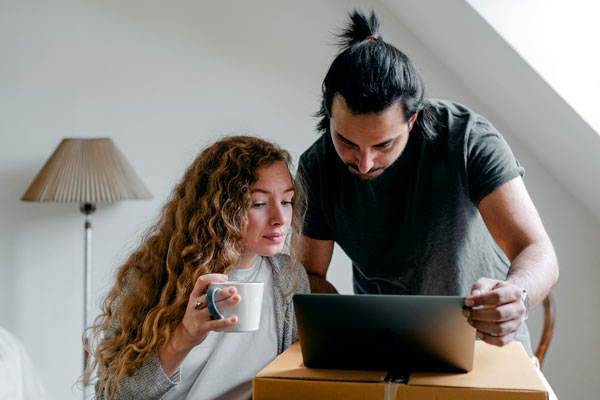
<point>257,205</point>
<point>286,203</point>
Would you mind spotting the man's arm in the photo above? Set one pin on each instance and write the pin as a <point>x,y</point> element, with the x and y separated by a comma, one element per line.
<point>316,257</point>
<point>515,225</point>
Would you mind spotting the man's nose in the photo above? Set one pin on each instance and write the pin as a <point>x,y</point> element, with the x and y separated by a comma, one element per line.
<point>364,161</point>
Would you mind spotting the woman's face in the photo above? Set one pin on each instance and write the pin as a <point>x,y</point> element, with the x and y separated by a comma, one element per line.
<point>269,213</point>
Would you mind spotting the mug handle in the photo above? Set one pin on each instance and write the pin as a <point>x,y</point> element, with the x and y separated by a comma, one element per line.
<point>210,302</point>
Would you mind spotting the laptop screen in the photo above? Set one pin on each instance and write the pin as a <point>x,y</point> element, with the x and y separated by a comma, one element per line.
<point>384,332</point>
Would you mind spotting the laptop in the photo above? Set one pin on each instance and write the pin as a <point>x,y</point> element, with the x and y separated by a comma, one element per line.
<point>384,332</point>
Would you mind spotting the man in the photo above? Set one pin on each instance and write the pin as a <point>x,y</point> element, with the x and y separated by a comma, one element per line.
<point>424,196</point>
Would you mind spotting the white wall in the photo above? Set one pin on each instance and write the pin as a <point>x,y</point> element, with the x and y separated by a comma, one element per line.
<point>559,40</point>
<point>163,80</point>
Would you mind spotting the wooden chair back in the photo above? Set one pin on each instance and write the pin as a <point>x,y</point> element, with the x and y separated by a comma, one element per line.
<point>549,320</point>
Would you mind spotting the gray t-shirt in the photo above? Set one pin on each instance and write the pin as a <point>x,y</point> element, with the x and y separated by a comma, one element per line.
<point>415,229</point>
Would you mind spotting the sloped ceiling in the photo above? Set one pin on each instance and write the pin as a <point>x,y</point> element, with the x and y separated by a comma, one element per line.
<point>493,72</point>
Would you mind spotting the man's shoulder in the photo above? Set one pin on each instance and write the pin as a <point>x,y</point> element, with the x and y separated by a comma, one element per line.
<point>317,152</point>
<point>456,123</point>
<point>452,115</point>
<point>449,106</point>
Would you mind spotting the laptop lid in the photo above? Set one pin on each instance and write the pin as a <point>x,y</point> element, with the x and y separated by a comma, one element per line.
<point>384,332</point>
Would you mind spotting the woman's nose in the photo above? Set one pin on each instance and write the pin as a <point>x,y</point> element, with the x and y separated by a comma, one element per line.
<point>277,215</point>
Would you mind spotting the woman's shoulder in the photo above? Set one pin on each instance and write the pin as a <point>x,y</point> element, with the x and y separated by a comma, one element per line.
<point>280,260</point>
<point>283,264</point>
<point>286,272</point>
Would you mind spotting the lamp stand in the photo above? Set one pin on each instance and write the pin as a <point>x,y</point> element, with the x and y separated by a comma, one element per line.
<point>87,209</point>
<point>87,171</point>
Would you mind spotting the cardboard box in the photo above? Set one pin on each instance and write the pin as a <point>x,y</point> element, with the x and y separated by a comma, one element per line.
<point>498,373</point>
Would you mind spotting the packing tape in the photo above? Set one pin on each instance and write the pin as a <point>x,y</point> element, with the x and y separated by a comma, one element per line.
<point>391,389</point>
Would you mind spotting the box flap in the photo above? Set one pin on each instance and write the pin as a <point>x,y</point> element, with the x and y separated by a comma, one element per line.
<point>289,365</point>
<point>506,367</point>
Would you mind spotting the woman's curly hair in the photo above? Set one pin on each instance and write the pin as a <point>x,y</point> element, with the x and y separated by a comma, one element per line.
<point>200,231</point>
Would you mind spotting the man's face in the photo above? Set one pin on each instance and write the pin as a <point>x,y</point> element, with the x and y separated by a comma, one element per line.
<point>368,143</point>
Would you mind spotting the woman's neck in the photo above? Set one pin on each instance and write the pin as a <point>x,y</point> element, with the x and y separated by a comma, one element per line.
<point>247,261</point>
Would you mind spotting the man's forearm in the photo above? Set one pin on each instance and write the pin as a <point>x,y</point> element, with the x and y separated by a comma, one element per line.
<point>318,284</point>
<point>536,270</point>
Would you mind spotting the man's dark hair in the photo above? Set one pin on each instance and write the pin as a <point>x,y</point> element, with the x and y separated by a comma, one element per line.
<point>371,75</point>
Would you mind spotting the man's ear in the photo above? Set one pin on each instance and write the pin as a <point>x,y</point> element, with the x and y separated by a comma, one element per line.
<point>411,122</point>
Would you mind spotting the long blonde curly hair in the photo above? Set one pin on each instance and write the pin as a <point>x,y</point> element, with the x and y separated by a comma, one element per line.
<point>199,231</point>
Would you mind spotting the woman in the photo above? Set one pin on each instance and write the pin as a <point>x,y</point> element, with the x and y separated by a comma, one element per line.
<point>227,219</point>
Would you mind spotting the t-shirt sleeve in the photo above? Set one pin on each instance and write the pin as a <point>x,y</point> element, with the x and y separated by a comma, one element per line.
<point>490,161</point>
<point>314,226</point>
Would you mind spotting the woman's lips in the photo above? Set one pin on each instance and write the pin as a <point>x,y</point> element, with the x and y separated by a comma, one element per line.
<point>275,237</point>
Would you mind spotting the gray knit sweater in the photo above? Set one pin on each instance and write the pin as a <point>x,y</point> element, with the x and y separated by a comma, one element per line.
<point>150,382</point>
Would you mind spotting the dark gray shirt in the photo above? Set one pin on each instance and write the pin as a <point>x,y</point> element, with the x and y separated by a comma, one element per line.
<point>415,229</point>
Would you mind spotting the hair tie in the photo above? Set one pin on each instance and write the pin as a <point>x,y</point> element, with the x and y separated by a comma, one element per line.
<point>371,37</point>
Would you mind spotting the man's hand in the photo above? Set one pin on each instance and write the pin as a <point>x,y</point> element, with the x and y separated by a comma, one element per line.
<point>496,310</point>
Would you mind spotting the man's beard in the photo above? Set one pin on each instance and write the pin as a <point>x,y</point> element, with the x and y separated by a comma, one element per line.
<point>354,167</point>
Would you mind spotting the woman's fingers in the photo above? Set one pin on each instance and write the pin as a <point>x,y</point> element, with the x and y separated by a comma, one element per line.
<point>204,281</point>
<point>220,296</point>
<point>197,321</point>
<point>221,304</point>
<point>201,314</point>
<point>218,324</point>
<point>225,293</point>
<point>197,318</point>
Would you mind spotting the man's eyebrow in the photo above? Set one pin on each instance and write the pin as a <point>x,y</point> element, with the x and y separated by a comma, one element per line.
<point>375,145</point>
<point>259,190</point>
<point>386,142</point>
<point>344,139</point>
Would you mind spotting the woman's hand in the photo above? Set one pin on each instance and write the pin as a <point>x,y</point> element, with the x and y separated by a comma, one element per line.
<point>197,322</point>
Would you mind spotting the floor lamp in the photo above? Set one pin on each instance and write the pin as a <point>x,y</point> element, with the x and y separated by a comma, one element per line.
<point>86,171</point>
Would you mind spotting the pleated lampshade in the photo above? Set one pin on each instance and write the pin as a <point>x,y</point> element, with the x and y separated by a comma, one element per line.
<point>86,171</point>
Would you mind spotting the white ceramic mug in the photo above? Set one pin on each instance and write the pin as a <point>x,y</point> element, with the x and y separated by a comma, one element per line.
<point>247,310</point>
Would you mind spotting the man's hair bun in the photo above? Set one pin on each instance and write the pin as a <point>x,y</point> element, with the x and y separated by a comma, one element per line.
<point>359,28</point>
